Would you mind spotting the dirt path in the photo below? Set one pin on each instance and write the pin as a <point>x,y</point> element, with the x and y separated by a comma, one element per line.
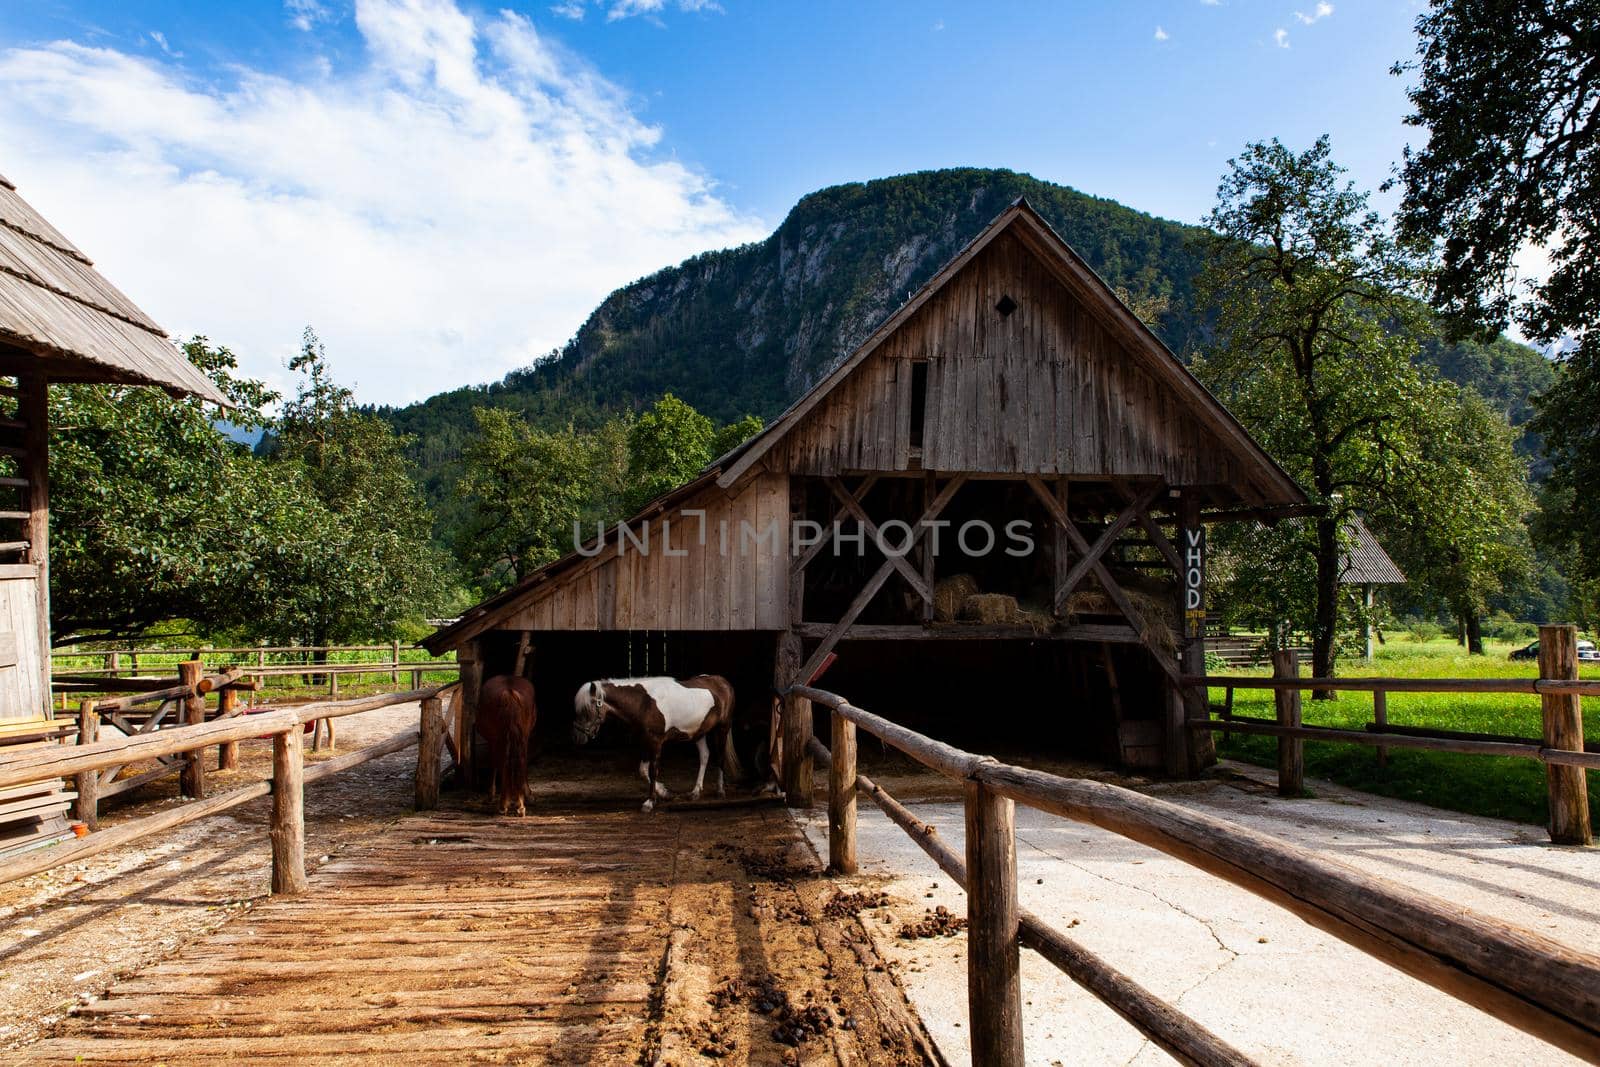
<point>68,933</point>
<point>587,933</point>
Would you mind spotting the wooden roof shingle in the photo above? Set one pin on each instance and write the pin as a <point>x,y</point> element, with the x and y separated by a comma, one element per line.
<point>57,307</point>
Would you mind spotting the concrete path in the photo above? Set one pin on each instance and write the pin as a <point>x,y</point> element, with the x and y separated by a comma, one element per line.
<point>1256,975</point>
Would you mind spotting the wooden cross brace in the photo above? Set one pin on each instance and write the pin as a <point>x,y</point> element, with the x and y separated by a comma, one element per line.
<point>875,583</point>
<point>1090,561</point>
<point>852,505</point>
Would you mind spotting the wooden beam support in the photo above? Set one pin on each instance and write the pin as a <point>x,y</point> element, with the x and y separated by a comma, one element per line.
<point>1563,729</point>
<point>192,780</point>
<point>86,807</point>
<point>33,408</point>
<point>795,757</point>
<point>900,563</point>
<point>288,832</point>
<point>430,753</point>
<point>868,591</point>
<point>1107,582</point>
<point>994,964</point>
<point>842,796</point>
<point>1291,750</point>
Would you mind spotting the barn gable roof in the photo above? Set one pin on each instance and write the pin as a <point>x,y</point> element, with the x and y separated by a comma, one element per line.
<point>69,322</point>
<point>1272,486</point>
<point>1271,483</point>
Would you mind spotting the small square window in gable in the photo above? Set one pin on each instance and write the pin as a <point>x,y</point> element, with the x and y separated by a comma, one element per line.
<point>1006,306</point>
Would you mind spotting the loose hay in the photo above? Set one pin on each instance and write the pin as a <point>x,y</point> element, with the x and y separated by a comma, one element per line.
<point>1160,613</point>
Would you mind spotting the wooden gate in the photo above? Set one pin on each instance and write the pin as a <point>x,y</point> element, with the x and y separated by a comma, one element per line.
<point>22,692</point>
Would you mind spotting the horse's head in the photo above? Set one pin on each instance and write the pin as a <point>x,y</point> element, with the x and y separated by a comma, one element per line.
<point>590,708</point>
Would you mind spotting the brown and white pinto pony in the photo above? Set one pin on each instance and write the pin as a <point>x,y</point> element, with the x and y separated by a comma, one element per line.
<point>661,710</point>
<point>506,716</point>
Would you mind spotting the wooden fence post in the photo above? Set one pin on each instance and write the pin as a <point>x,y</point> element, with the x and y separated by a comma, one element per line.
<point>228,751</point>
<point>288,812</point>
<point>1563,728</point>
<point>430,750</point>
<point>86,809</point>
<point>394,672</point>
<point>796,716</point>
<point>1291,750</point>
<point>192,778</point>
<point>1380,718</point>
<point>842,798</point>
<point>994,977</point>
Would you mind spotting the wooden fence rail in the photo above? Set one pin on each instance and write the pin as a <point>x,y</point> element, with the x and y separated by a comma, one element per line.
<point>289,778</point>
<point>1561,747</point>
<point>1520,976</point>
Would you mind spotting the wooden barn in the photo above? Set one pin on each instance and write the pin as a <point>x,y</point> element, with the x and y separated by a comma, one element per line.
<point>60,321</point>
<point>991,514</point>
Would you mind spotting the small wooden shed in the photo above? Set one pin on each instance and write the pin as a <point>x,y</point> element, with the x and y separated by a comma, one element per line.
<point>1014,392</point>
<point>60,321</point>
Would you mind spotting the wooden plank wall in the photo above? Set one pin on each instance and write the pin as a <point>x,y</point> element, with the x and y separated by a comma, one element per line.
<point>707,587</point>
<point>20,694</point>
<point>1044,390</point>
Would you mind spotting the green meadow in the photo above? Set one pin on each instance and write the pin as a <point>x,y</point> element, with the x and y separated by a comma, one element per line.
<point>1495,786</point>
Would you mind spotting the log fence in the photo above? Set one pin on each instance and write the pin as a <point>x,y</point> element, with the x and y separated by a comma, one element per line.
<point>290,775</point>
<point>1561,747</point>
<point>1518,975</point>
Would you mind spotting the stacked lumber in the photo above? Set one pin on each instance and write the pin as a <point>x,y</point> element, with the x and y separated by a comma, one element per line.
<point>34,814</point>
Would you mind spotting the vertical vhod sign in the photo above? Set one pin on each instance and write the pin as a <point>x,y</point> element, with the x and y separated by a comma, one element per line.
<point>1194,581</point>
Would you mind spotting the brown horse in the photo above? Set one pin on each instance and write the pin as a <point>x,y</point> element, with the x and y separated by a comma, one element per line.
<point>506,715</point>
<point>662,710</point>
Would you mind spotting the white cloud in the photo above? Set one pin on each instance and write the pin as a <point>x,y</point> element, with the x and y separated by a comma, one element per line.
<point>1212,3</point>
<point>160,40</point>
<point>305,14</point>
<point>450,211</point>
<point>1323,10</point>
<point>939,25</point>
<point>1161,34</point>
<point>1280,37</point>
<point>623,9</point>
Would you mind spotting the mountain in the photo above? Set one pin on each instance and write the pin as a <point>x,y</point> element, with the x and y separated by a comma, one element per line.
<point>749,329</point>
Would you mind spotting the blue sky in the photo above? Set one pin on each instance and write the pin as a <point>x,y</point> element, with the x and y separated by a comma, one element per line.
<point>445,189</point>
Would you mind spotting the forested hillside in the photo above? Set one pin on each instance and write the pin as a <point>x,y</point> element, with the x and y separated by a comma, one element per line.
<point>746,330</point>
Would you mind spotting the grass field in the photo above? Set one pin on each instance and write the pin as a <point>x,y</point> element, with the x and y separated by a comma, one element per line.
<point>1481,785</point>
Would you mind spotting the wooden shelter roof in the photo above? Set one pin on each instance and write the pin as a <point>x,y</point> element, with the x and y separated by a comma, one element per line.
<point>1364,562</point>
<point>1272,484</point>
<point>68,322</point>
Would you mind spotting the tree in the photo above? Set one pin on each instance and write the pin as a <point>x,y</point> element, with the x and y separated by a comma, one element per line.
<point>671,443</point>
<point>1313,347</point>
<point>1457,524</point>
<point>156,516</point>
<point>523,489</point>
<point>364,565</point>
<point>1510,97</point>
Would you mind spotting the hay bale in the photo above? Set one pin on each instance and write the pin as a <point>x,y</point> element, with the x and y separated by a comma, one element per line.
<point>1040,622</point>
<point>989,607</point>
<point>949,594</point>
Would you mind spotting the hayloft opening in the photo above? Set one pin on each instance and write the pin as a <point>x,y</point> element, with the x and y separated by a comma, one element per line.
<point>919,400</point>
<point>1006,306</point>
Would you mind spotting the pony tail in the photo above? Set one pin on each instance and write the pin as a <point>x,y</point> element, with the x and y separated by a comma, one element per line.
<point>731,767</point>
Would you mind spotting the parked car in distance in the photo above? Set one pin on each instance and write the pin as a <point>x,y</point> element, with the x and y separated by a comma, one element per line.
<point>1587,652</point>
